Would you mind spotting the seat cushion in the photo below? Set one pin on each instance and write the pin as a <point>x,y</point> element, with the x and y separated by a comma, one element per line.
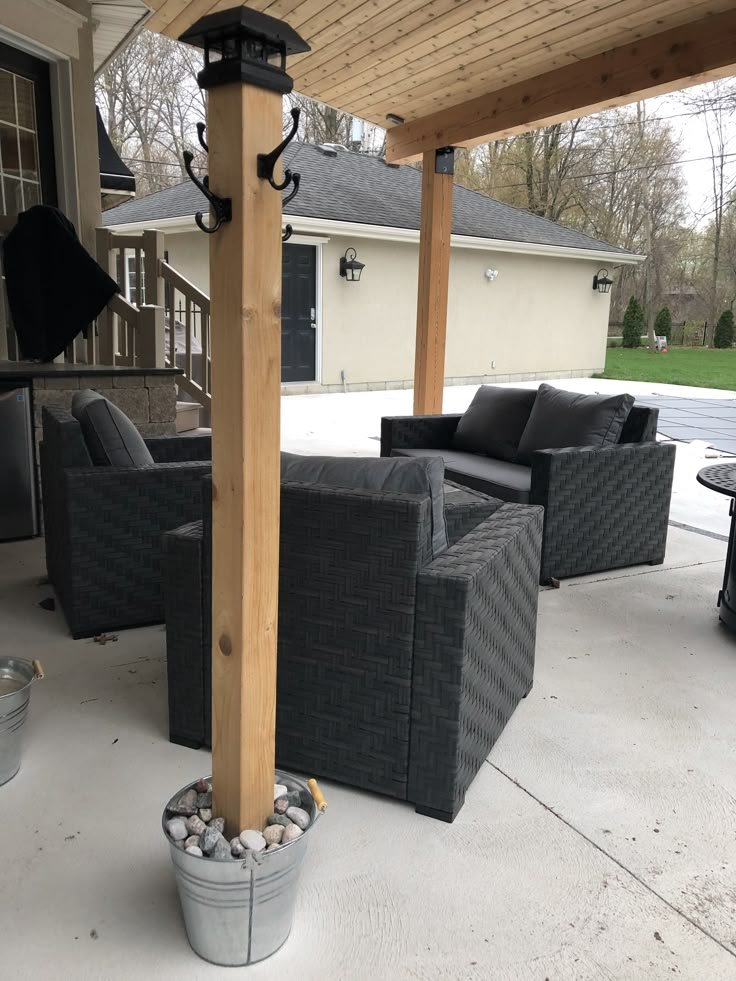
<point>559,419</point>
<point>494,421</point>
<point>498,478</point>
<point>424,477</point>
<point>111,438</point>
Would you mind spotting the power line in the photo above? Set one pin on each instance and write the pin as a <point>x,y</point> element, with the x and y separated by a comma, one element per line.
<point>624,170</point>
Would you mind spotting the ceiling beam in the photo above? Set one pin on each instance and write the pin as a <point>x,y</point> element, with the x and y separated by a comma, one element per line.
<point>666,62</point>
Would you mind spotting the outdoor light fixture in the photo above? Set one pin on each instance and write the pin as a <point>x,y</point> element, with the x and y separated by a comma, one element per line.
<point>601,282</point>
<point>490,274</point>
<point>244,45</point>
<point>394,119</point>
<point>350,268</point>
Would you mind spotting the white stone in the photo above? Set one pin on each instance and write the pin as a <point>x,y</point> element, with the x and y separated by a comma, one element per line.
<point>273,834</point>
<point>279,790</point>
<point>291,833</point>
<point>177,829</point>
<point>194,850</point>
<point>252,840</point>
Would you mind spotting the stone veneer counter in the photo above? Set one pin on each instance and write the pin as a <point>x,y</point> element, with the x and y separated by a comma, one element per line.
<point>146,395</point>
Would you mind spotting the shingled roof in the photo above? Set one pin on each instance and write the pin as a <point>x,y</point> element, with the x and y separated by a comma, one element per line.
<point>355,187</point>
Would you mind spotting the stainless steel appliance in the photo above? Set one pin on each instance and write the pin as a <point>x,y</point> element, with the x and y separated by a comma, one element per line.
<point>17,478</point>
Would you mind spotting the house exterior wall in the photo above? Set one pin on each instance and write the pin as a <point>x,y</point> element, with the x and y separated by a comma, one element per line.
<point>539,318</point>
<point>60,32</point>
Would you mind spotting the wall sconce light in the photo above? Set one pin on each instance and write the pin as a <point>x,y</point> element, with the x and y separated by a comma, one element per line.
<point>490,274</point>
<point>601,282</point>
<point>350,268</point>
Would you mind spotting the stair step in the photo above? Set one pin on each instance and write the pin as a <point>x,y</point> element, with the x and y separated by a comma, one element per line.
<point>187,416</point>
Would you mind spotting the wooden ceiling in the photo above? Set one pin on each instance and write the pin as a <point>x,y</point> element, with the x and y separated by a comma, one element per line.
<point>453,68</point>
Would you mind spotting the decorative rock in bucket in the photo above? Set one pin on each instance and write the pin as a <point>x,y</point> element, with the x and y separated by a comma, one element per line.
<point>238,896</point>
<point>16,678</point>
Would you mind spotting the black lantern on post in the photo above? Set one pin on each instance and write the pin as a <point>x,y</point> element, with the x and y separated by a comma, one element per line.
<point>601,282</point>
<point>248,46</point>
<point>350,268</point>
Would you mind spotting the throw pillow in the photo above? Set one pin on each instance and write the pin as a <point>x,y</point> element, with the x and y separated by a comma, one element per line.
<point>396,474</point>
<point>560,419</point>
<point>494,421</point>
<point>111,438</point>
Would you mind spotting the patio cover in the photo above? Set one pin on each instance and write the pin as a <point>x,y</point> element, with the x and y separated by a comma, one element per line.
<point>462,72</point>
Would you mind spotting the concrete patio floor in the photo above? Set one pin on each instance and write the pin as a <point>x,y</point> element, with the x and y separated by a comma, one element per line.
<point>598,842</point>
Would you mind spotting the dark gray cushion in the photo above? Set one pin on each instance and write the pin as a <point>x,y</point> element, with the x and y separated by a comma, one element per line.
<point>376,474</point>
<point>499,478</point>
<point>559,419</point>
<point>111,438</point>
<point>494,421</point>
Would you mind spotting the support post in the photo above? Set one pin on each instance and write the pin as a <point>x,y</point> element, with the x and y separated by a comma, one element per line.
<point>106,339</point>
<point>434,276</point>
<point>245,287</point>
<point>150,344</point>
<point>245,84</point>
<point>153,252</point>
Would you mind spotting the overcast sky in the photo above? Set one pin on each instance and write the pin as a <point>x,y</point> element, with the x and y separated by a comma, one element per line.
<point>695,146</point>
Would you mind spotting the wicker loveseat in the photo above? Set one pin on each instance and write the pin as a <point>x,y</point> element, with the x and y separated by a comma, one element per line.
<point>604,506</point>
<point>397,672</point>
<point>103,524</point>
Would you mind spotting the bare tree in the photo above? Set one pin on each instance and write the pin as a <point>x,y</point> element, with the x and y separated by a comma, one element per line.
<point>151,103</point>
<point>715,105</point>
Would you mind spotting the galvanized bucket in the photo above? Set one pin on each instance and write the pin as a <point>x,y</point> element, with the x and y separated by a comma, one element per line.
<point>16,678</point>
<point>236,915</point>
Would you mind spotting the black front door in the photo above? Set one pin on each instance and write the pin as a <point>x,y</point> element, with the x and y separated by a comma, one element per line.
<point>27,173</point>
<point>299,313</point>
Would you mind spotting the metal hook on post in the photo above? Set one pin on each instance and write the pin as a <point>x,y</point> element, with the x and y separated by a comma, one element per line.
<point>222,207</point>
<point>266,162</point>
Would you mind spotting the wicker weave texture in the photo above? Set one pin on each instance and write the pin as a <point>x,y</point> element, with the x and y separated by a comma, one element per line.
<point>604,508</point>
<point>103,529</point>
<point>474,652</point>
<point>182,557</point>
<point>351,565</point>
<point>417,432</point>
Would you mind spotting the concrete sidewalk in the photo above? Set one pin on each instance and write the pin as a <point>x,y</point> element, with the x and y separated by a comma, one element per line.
<point>598,842</point>
<point>350,425</point>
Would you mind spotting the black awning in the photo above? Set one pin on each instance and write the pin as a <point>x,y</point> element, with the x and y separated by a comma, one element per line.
<point>114,175</point>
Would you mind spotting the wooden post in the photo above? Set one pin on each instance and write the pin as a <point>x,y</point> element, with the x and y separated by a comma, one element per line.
<point>245,288</point>
<point>150,344</point>
<point>434,276</point>
<point>153,252</point>
<point>106,340</point>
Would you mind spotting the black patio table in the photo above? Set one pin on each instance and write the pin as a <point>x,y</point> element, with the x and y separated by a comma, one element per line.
<point>722,479</point>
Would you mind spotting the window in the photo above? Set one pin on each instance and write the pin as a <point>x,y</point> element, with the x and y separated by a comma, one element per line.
<point>130,285</point>
<point>27,172</point>
<point>20,174</point>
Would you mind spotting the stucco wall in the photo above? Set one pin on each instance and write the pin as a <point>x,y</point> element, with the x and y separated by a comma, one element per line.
<point>65,41</point>
<point>539,317</point>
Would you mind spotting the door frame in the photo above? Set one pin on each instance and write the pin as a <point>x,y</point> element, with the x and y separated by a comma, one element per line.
<point>318,244</point>
<point>62,117</point>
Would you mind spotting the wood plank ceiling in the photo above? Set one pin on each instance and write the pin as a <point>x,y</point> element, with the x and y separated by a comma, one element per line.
<point>418,59</point>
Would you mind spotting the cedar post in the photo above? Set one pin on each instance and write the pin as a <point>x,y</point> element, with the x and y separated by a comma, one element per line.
<point>244,120</point>
<point>434,276</point>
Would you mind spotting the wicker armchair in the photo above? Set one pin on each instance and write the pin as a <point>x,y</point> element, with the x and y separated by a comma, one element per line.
<point>103,525</point>
<point>603,507</point>
<point>397,673</point>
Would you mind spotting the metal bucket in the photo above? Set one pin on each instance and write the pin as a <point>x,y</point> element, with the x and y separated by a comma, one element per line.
<point>234,915</point>
<point>16,678</point>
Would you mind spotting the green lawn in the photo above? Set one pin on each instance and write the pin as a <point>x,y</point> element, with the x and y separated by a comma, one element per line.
<point>698,366</point>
